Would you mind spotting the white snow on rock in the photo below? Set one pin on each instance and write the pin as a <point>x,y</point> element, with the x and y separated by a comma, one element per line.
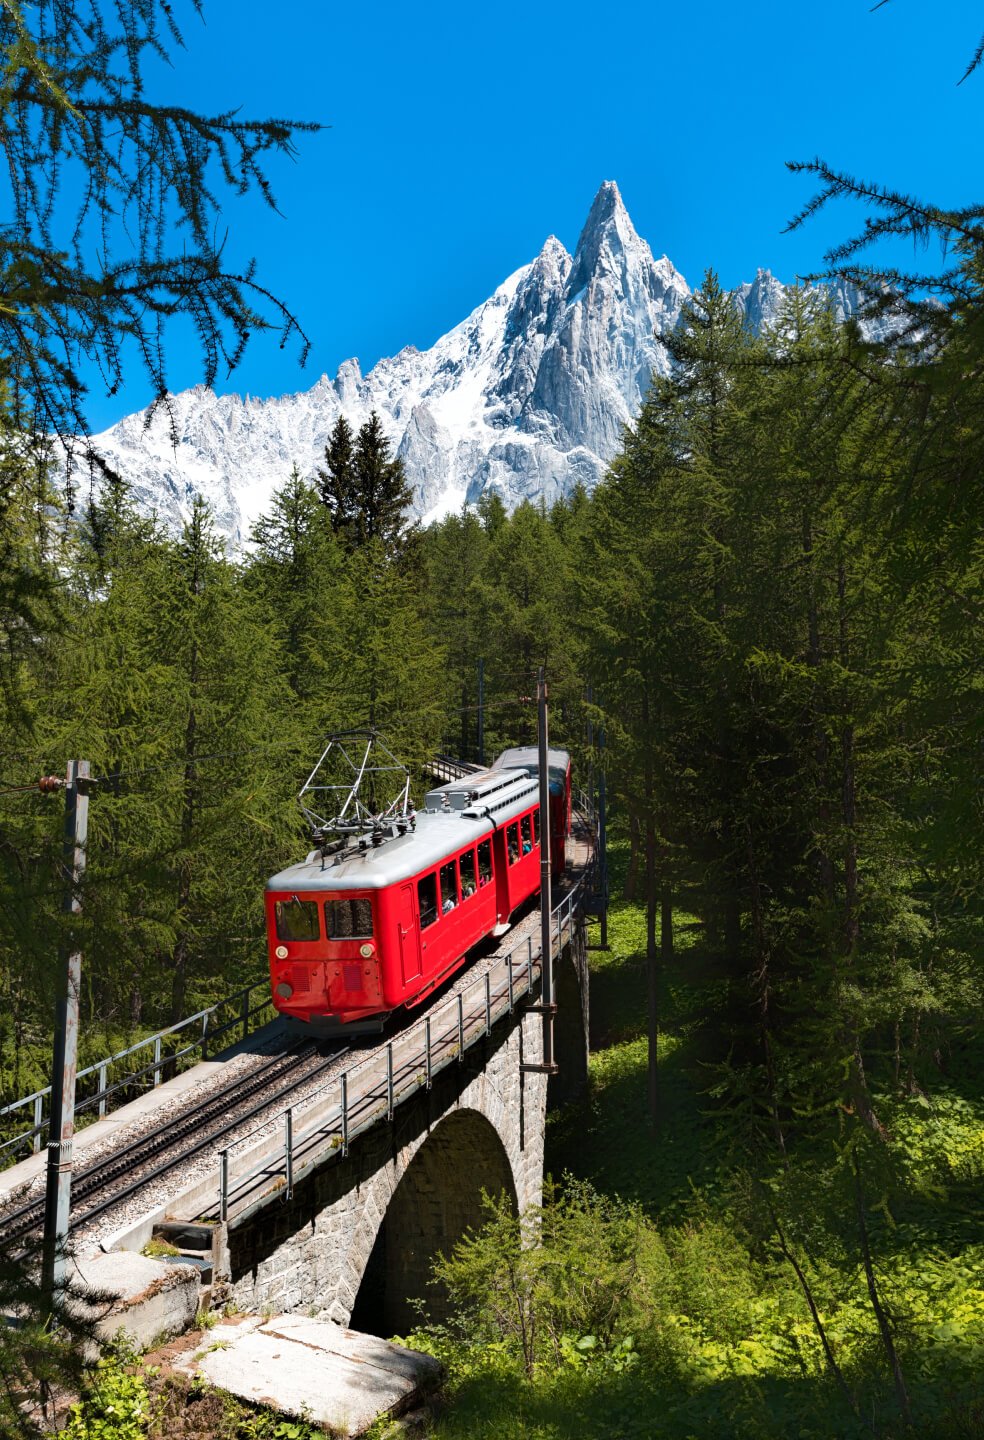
<point>526,397</point>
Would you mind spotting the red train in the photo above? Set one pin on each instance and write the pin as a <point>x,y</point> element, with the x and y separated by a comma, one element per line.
<point>355,935</point>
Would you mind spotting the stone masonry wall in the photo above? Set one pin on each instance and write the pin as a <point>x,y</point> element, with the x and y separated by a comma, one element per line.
<point>310,1254</point>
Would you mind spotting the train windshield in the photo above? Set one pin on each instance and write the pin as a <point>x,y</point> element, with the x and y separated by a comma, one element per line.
<point>348,919</point>
<point>297,919</point>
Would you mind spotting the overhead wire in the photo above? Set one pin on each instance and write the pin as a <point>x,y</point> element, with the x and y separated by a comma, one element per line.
<point>180,764</point>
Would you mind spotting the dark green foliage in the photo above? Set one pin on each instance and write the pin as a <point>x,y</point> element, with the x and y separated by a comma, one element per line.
<point>41,1358</point>
<point>364,490</point>
<point>336,482</point>
<point>101,178</point>
<point>660,1300</point>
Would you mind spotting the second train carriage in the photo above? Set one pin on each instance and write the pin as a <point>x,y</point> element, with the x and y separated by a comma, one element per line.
<point>354,936</point>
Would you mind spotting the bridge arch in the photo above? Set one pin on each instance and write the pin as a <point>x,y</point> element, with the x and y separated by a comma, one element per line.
<point>438,1198</point>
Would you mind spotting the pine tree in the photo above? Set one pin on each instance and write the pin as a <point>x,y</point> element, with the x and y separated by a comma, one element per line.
<point>96,167</point>
<point>453,554</point>
<point>392,673</point>
<point>228,814</point>
<point>295,571</point>
<point>383,493</point>
<point>336,481</point>
<point>365,491</point>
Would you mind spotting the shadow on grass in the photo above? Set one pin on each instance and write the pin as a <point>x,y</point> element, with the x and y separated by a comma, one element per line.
<point>637,1405</point>
<point>609,1138</point>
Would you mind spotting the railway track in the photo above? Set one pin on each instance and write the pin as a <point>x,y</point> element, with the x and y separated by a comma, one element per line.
<point>110,1181</point>
<point>223,1114</point>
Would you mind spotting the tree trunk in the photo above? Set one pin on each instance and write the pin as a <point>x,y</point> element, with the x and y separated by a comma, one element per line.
<point>762,980</point>
<point>652,973</point>
<point>851,925</point>
<point>884,1328</point>
<point>179,976</point>
<point>631,890</point>
<point>463,752</point>
<point>665,924</point>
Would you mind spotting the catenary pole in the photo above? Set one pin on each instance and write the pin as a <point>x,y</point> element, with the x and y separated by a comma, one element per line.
<point>602,841</point>
<point>61,1123</point>
<point>546,940</point>
<point>481,711</point>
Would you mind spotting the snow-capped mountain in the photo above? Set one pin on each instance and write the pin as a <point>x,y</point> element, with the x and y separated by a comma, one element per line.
<point>526,396</point>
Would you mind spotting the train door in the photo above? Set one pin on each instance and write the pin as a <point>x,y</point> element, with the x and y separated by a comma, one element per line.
<point>501,881</point>
<point>409,936</point>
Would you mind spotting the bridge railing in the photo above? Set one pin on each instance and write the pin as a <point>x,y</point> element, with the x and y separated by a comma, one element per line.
<point>112,1079</point>
<point>445,768</point>
<point>369,1092</point>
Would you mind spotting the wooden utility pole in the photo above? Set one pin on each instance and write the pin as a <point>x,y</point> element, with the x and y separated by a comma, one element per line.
<point>547,1006</point>
<point>602,842</point>
<point>61,1120</point>
<point>546,939</point>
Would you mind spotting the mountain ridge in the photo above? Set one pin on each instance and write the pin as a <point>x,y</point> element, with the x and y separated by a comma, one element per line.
<point>528,395</point>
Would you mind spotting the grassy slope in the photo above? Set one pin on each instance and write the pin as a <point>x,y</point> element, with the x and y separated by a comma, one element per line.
<point>745,1360</point>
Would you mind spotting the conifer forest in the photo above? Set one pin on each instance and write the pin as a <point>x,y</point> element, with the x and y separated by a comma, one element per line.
<point>765,627</point>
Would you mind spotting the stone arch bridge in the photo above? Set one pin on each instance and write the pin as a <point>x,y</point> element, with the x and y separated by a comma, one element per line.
<point>345,1216</point>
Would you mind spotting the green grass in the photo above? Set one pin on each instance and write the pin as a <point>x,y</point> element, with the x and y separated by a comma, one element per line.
<point>739,1354</point>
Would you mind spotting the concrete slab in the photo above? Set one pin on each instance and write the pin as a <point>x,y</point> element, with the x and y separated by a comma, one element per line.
<point>147,1299</point>
<point>311,1368</point>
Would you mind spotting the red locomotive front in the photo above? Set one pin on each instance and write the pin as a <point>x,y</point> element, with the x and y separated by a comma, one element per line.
<point>325,955</point>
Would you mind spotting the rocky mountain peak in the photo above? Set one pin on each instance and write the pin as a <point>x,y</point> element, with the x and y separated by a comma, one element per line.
<point>608,243</point>
<point>527,396</point>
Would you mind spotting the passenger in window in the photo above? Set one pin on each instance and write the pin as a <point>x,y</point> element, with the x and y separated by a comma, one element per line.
<point>449,887</point>
<point>466,866</point>
<point>427,900</point>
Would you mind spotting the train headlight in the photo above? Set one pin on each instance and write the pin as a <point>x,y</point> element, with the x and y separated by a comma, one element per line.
<point>284,990</point>
<point>281,952</point>
<point>367,950</point>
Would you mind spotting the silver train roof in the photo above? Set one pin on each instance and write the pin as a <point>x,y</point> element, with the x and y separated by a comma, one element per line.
<point>528,757</point>
<point>455,814</point>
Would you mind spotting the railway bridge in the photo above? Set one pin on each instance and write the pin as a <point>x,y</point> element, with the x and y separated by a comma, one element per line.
<point>333,1197</point>
<point>390,1167</point>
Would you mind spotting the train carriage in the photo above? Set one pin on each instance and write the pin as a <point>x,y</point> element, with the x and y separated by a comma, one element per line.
<point>357,934</point>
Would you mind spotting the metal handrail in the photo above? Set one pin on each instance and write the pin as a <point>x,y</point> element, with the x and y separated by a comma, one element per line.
<point>438,1040</point>
<point>246,1011</point>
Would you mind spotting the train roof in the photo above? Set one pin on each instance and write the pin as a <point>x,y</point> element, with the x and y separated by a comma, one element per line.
<point>455,815</point>
<point>527,757</point>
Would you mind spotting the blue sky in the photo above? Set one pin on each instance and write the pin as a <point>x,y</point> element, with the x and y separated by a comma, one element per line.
<point>460,139</point>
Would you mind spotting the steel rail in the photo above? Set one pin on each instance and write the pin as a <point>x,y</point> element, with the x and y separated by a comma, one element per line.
<point>458,1030</point>
<point>245,1012</point>
<point>20,1223</point>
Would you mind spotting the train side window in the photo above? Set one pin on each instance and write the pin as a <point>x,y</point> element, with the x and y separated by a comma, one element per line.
<point>512,843</point>
<point>297,919</point>
<point>427,900</point>
<point>348,919</point>
<point>536,826</point>
<point>526,831</point>
<point>449,887</point>
<point>484,862</point>
<point>469,883</point>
